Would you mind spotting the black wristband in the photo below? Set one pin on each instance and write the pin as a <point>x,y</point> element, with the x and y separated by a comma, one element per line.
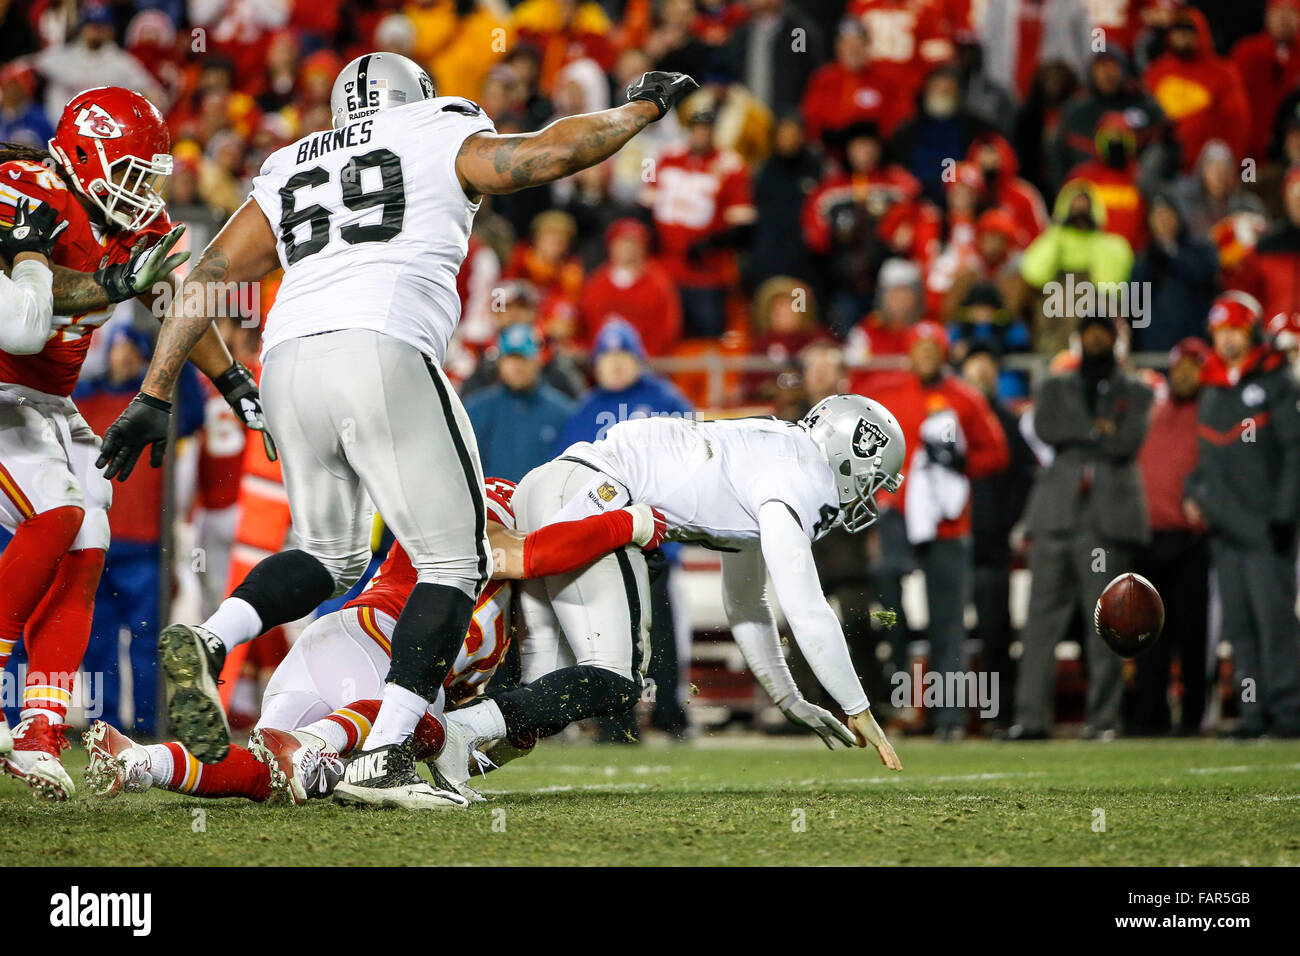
<point>146,399</point>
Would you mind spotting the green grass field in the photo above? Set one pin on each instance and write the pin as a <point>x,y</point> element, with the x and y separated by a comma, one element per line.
<point>735,801</point>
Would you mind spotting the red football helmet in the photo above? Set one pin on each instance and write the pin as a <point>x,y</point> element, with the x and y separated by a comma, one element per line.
<point>114,145</point>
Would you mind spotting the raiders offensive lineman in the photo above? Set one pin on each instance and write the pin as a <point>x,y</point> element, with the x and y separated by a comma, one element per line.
<point>371,222</point>
<point>759,490</point>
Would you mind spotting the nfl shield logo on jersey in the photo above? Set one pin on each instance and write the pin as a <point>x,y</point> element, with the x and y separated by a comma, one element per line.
<point>868,439</point>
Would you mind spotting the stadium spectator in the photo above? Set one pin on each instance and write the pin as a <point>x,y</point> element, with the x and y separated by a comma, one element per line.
<point>1037,124</point>
<point>562,31</point>
<point>997,504</point>
<point>952,438</point>
<point>703,212</point>
<point>938,132</point>
<point>1003,186</point>
<point>1269,65</point>
<point>984,321</point>
<point>588,199</point>
<point>842,217</point>
<point>1245,490</point>
<point>781,186</point>
<point>93,58</point>
<point>1111,88</point>
<point>518,420</point>
<point>1076,246</point>
<point>625,388</point>
<point>631,286</point>
<point>546,260</point>
<point>1177,559</point>
<point>1180,268</point>
<point>1086,518</point>
<point>851,88</point>
<point>517,303</point>
<point>1212,191</point>
<point>1198,89</point>
<point>984,99</point>
<point>1271,272</point>
<point>885,332</point>
<point>1019,35</point>
<point>22,119</point>
<point>774,53</point>
<point>993,258</point>
<point>1114,177</point>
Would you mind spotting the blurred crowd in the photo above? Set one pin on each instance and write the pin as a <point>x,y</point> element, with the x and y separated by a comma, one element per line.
<point>1059,239</point>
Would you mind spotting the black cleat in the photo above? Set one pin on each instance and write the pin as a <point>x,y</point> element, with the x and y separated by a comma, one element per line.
<point>386,777</point>
<point>191,662</point>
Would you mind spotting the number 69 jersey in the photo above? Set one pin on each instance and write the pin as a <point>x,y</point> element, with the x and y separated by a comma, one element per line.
<point>372,225</point>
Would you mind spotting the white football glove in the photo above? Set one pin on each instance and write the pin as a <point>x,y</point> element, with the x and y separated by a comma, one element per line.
<point>817,719</point>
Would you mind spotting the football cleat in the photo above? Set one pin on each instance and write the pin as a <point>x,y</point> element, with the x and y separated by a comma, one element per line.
<point>386,777</point>
<point>35,759</point>
<point>191,660</point>
<point>117,763</point>
<point>6,738</point>
<point>302,765</point>
<point>451,768</point>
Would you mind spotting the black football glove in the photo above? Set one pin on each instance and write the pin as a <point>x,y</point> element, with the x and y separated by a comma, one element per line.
<point>1282,534</point>
<point>143,422</point>
<point>241,394</point>
<point>35,229</point>
<point>664,90</point>
<point>146,265</point>
<point>945,453</point>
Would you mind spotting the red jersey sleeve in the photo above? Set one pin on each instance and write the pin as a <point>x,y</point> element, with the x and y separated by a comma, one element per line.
<point>568,545</point>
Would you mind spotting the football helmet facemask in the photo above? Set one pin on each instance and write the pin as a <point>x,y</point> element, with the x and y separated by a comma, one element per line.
<point>864,445</point>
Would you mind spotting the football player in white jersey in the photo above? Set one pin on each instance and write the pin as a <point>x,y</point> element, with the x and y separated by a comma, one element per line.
<point>370,221</point>
<point>759,490</point>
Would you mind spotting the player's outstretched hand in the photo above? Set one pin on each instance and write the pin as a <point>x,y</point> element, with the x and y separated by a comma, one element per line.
<point>35,229</point>
<point>143,422</point>
<point>868,731</point>
<point>817,719</point>
<point>145,267</point>
<point>240,392</point>
<point>664,90</point>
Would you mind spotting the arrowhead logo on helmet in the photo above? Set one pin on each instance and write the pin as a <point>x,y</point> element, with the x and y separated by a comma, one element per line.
<point>94,121</point>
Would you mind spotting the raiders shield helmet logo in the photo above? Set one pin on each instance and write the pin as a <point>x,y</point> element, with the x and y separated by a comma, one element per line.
<point>868,439</point>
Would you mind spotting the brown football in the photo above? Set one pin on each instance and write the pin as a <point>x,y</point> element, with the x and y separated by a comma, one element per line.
<point>1129,615</point>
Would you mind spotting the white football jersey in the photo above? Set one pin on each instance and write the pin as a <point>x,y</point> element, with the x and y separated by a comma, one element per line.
<point>372,225</point>
<point>710,478</point>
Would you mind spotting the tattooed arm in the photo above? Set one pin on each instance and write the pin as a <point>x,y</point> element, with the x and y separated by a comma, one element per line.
<point>494,164</point>
<point>77,292</point>
<point>244,251</point>
<point>209,355</point>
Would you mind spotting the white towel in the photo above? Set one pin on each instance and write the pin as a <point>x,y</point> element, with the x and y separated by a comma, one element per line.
<point>934,493</point>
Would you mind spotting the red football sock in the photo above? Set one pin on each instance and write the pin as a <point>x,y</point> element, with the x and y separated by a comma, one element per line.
<point>428,738</point>
<point>355,719</point>
<point>238,775</point>
<point>59,631</point>
<point>27,567</point>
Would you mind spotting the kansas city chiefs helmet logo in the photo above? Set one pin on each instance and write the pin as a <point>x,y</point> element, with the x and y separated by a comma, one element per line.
<point>868,439</point>
<point>94,121</point>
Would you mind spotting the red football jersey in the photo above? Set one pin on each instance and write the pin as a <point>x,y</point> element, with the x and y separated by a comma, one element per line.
<point>82,246</point>
<point>221,451</point>
<point>488,636</point>
<point>691,197</point>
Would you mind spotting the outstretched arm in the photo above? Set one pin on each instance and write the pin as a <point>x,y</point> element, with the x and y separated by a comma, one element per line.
<point>244,251</point>
<point>494,164</point>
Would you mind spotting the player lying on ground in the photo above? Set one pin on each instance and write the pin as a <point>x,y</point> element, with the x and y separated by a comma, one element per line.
<point>100,178</point>
<point>323,698</point>
<point>370,221</point>
<point>759,490</point>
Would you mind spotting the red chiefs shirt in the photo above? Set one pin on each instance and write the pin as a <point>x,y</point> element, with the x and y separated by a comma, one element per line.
<point>83,247</point>
<point>912,34</point>
<point>649,302</point>
<point>690,199</point>
<point>837,97</point>
<point>1126,210</point>
<point>136,515</point>
<point>877,192</point>
<point>488,636</point>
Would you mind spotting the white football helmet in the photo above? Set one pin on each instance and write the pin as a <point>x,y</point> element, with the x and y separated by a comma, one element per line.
<point>864,446</point>
<point>374,82</point>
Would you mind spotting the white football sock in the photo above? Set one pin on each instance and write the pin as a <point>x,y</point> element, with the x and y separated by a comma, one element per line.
<point>398,715</point>
<point>484,721</point>
<point>160,764</point>
<point>235,622</point>
<point>335,737</point>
